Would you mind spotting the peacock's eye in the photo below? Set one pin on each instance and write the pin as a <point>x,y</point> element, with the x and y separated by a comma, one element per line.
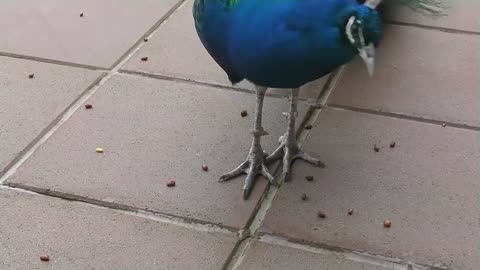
<point>354,31</point>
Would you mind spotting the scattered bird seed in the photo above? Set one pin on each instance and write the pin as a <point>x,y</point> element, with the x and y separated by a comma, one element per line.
<point>304,197</point>
<point>81,14</point>
<point>308,126</point>
<point>204,167</point>
<point>88,106</point>
<point>243,113</point>
<point>387,223</point>
<point>350,211</point>
<point>444,125</point>
<point>144,58</point>
<point>321,214</point>
<point>99,150</point>
<point>31,76</point>
<point>171,183</point>
<point>309,178</point>
<point>45,258</point>
<point>376,148</point>
<point>392,144</point>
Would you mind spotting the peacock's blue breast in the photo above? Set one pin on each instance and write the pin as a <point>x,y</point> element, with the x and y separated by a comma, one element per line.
<point>277,43</point>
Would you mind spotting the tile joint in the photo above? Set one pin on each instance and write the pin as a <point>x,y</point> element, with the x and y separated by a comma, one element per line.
<point>134,73</point>
<point>361,257</point>
<point>403,117</point>
<point>52,61</point>
<point>433,28</point>
<point>190,223</point>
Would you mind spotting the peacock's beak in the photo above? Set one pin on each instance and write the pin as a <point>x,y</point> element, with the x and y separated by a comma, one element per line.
<point>368,56</point>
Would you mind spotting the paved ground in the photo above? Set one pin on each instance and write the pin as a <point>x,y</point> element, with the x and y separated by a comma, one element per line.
<point>163,118</point>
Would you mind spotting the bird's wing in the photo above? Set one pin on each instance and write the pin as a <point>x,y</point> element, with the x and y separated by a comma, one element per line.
<point>211,23</point>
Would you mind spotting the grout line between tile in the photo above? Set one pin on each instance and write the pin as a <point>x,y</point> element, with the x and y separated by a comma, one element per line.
<point>433,28</point>
<point>238,256</point>
<point>193,224</point>
<point>133,73</point>
<point>51,61</point>
<point>360,257</point>
<point>149,34</point>
<point>403,117</point>
<point>330,85</point>
<point>259,216</point>
<point>77,103</point>
<point>19,190</point>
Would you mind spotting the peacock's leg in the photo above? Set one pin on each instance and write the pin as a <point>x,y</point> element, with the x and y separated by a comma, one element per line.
<point>256,160</point>
<point>289,149</point>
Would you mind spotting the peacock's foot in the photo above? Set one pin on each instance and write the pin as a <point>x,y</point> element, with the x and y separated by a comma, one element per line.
<point>254,165</point>
<point>289,151</point>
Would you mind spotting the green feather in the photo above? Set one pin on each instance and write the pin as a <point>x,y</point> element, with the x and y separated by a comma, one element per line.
<point>230,3</point>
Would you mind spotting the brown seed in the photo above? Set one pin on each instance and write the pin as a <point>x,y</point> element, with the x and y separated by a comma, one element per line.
<point>444,125</point>
<point>88,106</point>
<point>144,58</point>
<point>204,167</point>
<point>243,113</point>
<point>81,14</point>
<point>171,183</point>
<point>145,39</point>
<point>320,214</point>
<point>31,76</point>
<point>392,144</point>
<point>308,126</point>
<point>350,211</point>
<point>375,148</point>
<point>45,258</point>
<point>387,223</point>
<point>309,178</point>
<point>304,197</point>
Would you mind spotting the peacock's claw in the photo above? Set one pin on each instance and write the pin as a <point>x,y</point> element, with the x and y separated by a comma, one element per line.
<point>254,165</point>
<point>289,151</point>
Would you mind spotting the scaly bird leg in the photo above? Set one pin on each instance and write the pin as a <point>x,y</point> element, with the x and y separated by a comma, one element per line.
<point>289,149</point>
<point>256,160</point>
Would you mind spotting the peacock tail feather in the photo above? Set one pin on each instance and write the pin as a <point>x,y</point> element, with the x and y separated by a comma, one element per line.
<point>433,7</point>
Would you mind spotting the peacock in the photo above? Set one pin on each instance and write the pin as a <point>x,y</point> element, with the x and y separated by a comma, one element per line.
<point>286,44</point>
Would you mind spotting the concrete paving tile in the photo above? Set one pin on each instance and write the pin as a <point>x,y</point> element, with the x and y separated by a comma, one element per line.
<point>79,236</point>
<point>427,186</point>
<point>421,73</point>
<point>176,51</point>
<point>54,29</point>
<point>263,256</point>
<point>153,130</point>
<point>456,14</point>
<point>28,106</point>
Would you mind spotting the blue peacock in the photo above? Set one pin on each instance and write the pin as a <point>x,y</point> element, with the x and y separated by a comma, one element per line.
<point>285,44</point>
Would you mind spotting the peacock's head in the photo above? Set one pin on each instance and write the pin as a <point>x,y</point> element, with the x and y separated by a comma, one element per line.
<point>363,30</point>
